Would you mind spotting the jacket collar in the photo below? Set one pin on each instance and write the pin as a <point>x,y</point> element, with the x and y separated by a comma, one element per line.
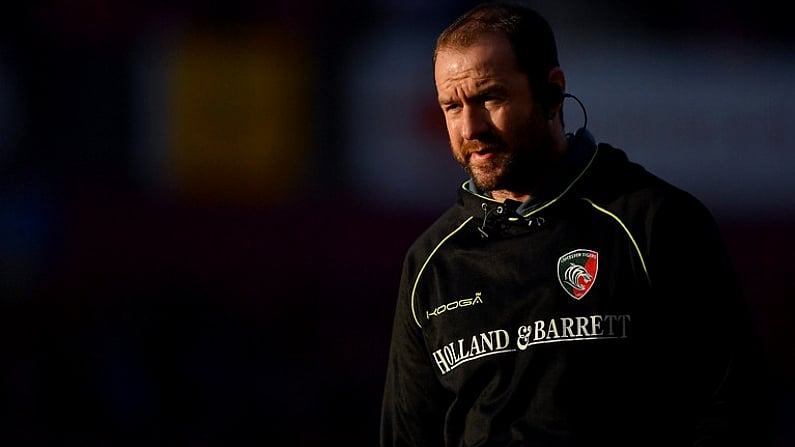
<point>579,156</point>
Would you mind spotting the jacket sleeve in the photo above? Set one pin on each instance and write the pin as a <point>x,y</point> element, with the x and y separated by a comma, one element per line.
<point>716,371</point>
<point>414,402</point>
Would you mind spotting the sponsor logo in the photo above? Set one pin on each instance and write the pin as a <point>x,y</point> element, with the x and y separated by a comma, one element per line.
<point>478,346</point>
<point>560,329</point>
<point>576,328</point>
<point>453,305</point>
<point>577,271</point>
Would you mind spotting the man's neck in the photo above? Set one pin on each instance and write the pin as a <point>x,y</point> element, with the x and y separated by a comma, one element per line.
<point>500,195</point>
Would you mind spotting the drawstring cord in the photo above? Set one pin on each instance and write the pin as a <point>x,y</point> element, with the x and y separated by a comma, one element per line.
<point>537,221</point>
<point>486,213</point>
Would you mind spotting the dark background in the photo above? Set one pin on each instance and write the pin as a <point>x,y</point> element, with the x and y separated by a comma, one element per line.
<point>204,207</point>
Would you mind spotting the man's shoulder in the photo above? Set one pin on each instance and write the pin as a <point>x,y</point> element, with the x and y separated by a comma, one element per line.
<point>622,185</point>
<point>446,223</point>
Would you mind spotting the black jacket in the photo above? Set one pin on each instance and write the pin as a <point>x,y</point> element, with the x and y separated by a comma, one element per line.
<point>603,312</point>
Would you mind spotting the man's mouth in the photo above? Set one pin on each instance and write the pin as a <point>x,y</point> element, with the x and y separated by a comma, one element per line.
<point>481,154</point>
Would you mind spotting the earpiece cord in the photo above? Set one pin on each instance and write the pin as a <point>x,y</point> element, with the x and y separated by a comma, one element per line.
<point>582,106</point>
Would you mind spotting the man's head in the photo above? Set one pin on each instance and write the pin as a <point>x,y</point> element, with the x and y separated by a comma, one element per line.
<point>529,33</point>
<point>500,88</point>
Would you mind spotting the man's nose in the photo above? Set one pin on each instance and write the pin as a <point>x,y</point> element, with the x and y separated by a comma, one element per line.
<point>474,122</point>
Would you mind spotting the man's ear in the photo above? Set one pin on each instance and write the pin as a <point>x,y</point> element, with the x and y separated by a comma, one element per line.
<point>555,91</point>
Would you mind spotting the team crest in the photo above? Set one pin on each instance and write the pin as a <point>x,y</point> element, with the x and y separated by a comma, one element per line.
<point>577,271</point>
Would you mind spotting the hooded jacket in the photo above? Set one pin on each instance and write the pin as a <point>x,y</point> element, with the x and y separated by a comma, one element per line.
<point>604,311</point>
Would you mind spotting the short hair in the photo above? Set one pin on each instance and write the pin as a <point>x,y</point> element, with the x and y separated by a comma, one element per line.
<point>528,32</point>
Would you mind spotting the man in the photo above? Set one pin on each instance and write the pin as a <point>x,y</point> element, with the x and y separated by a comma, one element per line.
<point>569,297</point>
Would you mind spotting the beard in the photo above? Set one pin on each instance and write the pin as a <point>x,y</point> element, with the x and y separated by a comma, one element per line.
<point>517,168</point>
<point>492,174</point>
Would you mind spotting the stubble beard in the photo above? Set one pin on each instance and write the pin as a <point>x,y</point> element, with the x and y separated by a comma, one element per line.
<point>492,174</point>
<point>516,169</point>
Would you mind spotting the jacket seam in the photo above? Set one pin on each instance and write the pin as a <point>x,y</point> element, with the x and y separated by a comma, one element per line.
<point>626,230</point>
<point>425,264</point>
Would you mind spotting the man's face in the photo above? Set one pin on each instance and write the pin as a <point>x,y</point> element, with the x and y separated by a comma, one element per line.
<point>498,132</point>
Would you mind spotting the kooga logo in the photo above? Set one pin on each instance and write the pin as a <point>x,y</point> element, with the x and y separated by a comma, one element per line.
<point>453,305</point>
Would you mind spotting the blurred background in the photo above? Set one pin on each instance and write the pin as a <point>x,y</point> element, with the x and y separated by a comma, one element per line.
<point>204,206</point>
